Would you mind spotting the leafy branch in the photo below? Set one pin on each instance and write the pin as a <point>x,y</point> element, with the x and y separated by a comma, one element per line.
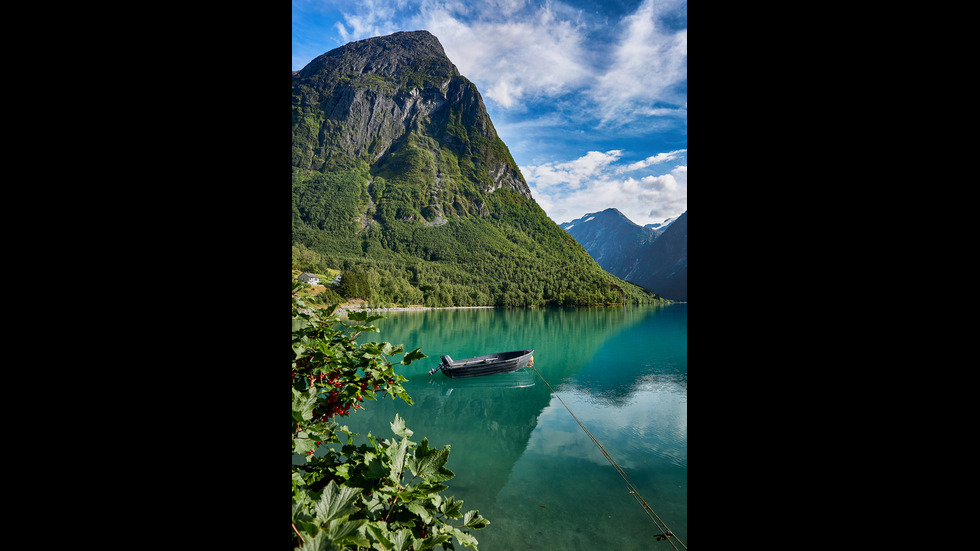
<point>347,496</point>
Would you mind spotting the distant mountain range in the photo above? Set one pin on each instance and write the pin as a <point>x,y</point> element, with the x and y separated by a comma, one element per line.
<point>652,256</point>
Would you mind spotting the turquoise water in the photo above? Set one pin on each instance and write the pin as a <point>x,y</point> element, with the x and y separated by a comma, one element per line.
<point>519,456</point>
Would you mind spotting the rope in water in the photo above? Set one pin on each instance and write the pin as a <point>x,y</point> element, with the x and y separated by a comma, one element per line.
<point>665,534</point>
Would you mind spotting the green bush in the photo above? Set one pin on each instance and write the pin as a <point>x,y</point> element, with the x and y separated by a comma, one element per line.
<point>386,495</point>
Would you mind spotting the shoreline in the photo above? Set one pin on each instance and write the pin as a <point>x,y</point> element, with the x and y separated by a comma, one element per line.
<point>350,307</point>
<point>354,307</point>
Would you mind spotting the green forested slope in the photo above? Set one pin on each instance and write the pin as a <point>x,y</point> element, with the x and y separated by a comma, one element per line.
<point>400,181</point>
<point>514,257</point>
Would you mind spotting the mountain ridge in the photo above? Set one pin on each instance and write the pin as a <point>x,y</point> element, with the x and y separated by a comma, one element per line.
<point>399,173</point>
<point>652,256</point>
<point>609,237</point>
<point>392,99</point>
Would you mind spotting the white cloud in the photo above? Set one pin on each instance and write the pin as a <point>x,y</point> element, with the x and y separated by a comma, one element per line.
<point>653,420</point>
<point>372,18</point>
<point>653,160</point>
<point>513,59</point>
<point>513,49</point>
<point>592,162</point>
<point>646,63</point>
<point>681,173</point>
<point>665,182</point>
<point>571,189</point>
<point>505,93</point>
<point>519,51</point>
<point>572,173</point>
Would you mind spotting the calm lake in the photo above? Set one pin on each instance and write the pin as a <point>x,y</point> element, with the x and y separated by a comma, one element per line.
<point>519,456</point>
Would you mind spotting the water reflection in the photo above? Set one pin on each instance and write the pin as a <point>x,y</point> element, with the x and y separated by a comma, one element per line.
<point>652,423</point>
<point>518,379</point>
<point>519,457</point>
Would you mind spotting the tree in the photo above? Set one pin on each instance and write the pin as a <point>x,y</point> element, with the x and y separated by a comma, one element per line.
<point>354,284</point>
<point>386,495</point>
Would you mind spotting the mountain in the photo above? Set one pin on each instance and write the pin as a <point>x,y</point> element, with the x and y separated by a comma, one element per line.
<point>662,266</point>
<point>611,239</point>
<point>399,175</point>
<point>661,226</point>
<point>652,256</point>
<point>400,104</point>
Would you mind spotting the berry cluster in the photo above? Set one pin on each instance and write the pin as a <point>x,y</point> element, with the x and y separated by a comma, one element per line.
<point>346,391</point>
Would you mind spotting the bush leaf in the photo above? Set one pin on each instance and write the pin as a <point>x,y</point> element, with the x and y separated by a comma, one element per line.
<point>336,502</point>
<point>398,427</point>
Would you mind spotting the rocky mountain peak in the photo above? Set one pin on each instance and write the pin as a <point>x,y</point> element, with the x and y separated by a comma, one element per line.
<point>389,55</point>
<point>394,101</point>
<point>611,219</point>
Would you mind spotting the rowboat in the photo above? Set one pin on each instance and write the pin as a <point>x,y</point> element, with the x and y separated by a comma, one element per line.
<point>490,364</point>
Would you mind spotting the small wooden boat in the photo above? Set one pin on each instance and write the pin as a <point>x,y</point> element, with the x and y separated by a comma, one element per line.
<point>504,362</point>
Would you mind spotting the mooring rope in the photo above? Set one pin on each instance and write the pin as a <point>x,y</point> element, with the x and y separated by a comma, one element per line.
<point>665,534</point>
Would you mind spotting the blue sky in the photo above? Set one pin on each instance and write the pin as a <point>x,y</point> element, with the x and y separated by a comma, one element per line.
<point>590,96</point>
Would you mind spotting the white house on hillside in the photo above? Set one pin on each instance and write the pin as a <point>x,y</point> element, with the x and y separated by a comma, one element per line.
<point>309,278</point>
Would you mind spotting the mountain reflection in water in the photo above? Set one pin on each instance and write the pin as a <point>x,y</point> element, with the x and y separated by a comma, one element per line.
<point>519,457</point>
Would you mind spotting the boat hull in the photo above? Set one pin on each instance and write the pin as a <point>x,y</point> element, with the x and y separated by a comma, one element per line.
<point>490,364</point>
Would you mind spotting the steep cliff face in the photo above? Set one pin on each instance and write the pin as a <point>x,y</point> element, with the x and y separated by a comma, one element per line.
<point>398,103</point>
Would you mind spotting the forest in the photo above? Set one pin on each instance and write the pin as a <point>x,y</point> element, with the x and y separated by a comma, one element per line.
<point>391,255</point>
<point>424,225</point>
